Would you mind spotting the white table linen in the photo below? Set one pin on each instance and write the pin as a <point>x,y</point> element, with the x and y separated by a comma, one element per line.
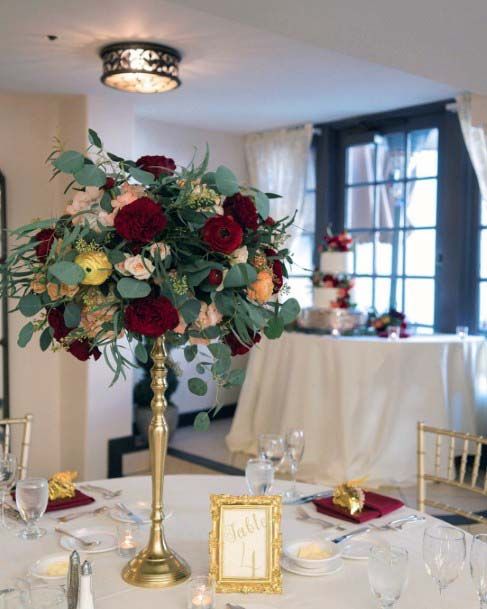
<point>359,399</point>
<point>188,532</point>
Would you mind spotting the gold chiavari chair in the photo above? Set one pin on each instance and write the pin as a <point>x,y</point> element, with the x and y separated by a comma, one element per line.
<point>6,425</point>
<point>473,480</point>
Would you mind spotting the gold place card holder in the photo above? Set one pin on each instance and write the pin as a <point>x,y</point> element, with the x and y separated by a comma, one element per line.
<point>246,543</point>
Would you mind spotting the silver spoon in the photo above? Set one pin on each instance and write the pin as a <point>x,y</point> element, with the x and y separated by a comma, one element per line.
<point>304,516</point>
<point>83,542</point>
<point>73,516</point>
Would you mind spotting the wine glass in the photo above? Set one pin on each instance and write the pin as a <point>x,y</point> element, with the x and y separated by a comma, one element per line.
<point>272,448</point>
<point>8,474</point>
<point>32,495</point>
<point>444,552</point>
<point>294,454</point>
<point>259,475</point>
<point>388,568</point>
<point>478,567</point>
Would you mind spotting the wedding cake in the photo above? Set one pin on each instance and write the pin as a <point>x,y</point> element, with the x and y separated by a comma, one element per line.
<point>333,285</point>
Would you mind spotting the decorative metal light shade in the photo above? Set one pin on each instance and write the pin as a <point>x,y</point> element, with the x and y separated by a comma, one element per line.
<point>140,67</point>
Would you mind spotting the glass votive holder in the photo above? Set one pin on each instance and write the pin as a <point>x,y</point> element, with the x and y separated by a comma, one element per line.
<point>127,540</point>
<point>462,332</point>
<point>393,332</point>
<point>335,332</point>
<point>201,592</point>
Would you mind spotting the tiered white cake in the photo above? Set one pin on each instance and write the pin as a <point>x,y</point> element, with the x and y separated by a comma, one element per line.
<point>334,264</point>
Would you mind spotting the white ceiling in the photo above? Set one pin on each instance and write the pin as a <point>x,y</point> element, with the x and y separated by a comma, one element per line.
<point>247,66</point>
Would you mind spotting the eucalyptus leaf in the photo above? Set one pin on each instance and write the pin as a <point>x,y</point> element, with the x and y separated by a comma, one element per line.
<point>115,256</point>
<point>141,353</point>
<point>69,161</point>
<point>219,350</point>
<point>201,421</point>
<point>133,288</point>
<point>262,203</point>
<point>274,328</point>
<point>45,339</point>
<point>30,305</point>
<point>209,179</point>
<point>289,310</point>
<point>225,303</point>
<point>190,352</point>
<point>144,177</point>
<point>236,377</point>
<point>190,310</point>
<point>72,315</point>
<point>197,386</point>
<point>90,175</point>
<point>221,366</point>
<point>25,334</point>
<point>225,181</point>
<point>94,138</point>
<point>240,275</point>
<point>67,272</point>
<point>106,202</point>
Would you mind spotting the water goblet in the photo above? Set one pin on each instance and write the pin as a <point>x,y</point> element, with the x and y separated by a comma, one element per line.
<point>8,474</point>
<point>272,448</point>
<point>32,496</point>
<point>444,552</point>
<point>259,475</point>
<point>294,454</point>
<point>388,568</point>
<point>478,567</point>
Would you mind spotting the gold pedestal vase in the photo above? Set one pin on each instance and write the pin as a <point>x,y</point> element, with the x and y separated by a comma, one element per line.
<point>157,566</point>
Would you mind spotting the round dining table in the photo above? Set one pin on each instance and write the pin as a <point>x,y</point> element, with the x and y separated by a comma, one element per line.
<point>187,497</point>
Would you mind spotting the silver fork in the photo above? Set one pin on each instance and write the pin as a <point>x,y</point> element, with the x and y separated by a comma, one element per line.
<point>106,493</point>
<point>397,525</point>
<point>73,516</point>
<point>83,542</point>
<point>304,516</point>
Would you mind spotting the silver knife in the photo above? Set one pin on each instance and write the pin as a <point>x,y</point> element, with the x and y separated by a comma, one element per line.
<point>308,498</point>
<point>360,531</point>
<point>130,514</point>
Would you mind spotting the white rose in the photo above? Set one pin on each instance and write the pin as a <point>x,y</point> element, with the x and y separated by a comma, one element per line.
<point>138,267</point>
<point>164,250</point>
<point>240,255</point>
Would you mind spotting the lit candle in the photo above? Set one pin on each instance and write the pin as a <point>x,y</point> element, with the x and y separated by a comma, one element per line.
<point>201,593</point>
<point>335,332</point>
<point>127,544</point>
<point>202,600</point>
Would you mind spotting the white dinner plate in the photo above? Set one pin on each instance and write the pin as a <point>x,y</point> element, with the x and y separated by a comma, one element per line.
<point>39,568</point>
<point>106,537</point>
<point>356,549</point>
<point>142,509</point>
<point>292,567</point>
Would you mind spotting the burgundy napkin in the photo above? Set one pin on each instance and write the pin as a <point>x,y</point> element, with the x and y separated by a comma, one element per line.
<point>78,500</point>
<point>375,506</point>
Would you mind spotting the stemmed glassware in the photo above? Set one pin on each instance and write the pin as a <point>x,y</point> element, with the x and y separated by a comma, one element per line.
<point>294,454</point>
<point>259,475</point>
<point>444,552</point>
<point>478,567</point>
<point>8,474</point>
<point>388,569</point>
<point>32,496</point>
<point>272,447</point>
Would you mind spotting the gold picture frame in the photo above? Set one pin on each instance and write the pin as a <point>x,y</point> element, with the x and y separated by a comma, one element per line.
<point>246,543</point>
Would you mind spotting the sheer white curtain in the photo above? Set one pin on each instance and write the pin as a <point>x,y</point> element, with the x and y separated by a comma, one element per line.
<point>475,140</point>
<point>276,162</point>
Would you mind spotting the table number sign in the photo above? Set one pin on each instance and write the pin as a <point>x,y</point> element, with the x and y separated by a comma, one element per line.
<point>245,543</point>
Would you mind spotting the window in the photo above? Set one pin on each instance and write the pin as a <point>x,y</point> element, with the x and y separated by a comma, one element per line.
<point>390,195</point>
<point>482,320</point>
<point>303,247</point>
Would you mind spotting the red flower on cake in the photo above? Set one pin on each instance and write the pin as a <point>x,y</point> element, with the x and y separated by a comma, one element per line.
<point>222,234</point>
<point>236,347</point>
<point>156,165</point>
<point>140,221</point>
<point>242,209</point>
<point>45,237</point>
<point>55,318</point>
<point>83,350</point>
<point>151,316</point>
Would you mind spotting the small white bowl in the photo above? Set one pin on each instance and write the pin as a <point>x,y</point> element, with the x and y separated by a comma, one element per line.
<point>39,568</point>
<point>291,551</point>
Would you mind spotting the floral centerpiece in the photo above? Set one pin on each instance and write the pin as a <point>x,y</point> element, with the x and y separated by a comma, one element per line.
<point>145,249</point>
<point>391,318</point>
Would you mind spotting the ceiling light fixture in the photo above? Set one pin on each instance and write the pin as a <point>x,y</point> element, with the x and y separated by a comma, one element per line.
<point>140,67</point>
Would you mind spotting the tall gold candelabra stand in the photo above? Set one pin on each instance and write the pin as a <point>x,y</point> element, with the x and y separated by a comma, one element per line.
<point>157,566</point>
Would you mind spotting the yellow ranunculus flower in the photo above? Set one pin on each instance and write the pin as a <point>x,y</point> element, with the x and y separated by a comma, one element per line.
<point>96,266</point>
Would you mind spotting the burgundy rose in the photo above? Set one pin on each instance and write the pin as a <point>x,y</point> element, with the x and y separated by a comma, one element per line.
<point>242,209</point>
<point>83,350</point>
<point>151,316</point>
<point>215,277</point>
<point>277,270</point>
<point>269,221</point>
<point>156,165</point>
<point>109,184</point>
<point>222,234</point>
<point>55,318</point>
<point>236,347</point>
<point>45,237</point>
<point>140,221</point>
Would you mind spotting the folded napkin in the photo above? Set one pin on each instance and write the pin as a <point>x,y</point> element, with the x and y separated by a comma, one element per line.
<point>78,500</point>
<point>375,506</point>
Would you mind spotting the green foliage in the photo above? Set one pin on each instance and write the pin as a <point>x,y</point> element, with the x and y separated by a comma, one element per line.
<point>67,272</point>
<point>262,203</point>
<point>72,315</point>
<point>69,162</point>
<point>133,288</point>
<point>144,177</point>
<point>289,311</point>
<point>90,175</point>
<point>25,334</point>
<point>30,305</point>
<point>274,328</point>
<point>201,421</point>
<point>225,181</point>
<point>94,139</point>
<point>197,386</point>
<point>240,275</point>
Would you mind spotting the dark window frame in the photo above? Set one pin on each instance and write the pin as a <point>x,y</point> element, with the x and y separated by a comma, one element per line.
<point>458,209</point>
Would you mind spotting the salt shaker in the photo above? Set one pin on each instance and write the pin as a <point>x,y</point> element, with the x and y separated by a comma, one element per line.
<point>73,580</point>
<point>85,598</point>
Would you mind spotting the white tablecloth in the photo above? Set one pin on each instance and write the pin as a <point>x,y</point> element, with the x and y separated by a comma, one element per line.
<point>359,400</point>
<point>188,530</point>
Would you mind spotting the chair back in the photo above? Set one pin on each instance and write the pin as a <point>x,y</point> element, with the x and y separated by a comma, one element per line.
<point>25,423</point>
<point>448,447</point>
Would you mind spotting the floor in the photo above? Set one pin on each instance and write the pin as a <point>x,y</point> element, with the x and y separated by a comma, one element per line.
<point>210,446</point>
